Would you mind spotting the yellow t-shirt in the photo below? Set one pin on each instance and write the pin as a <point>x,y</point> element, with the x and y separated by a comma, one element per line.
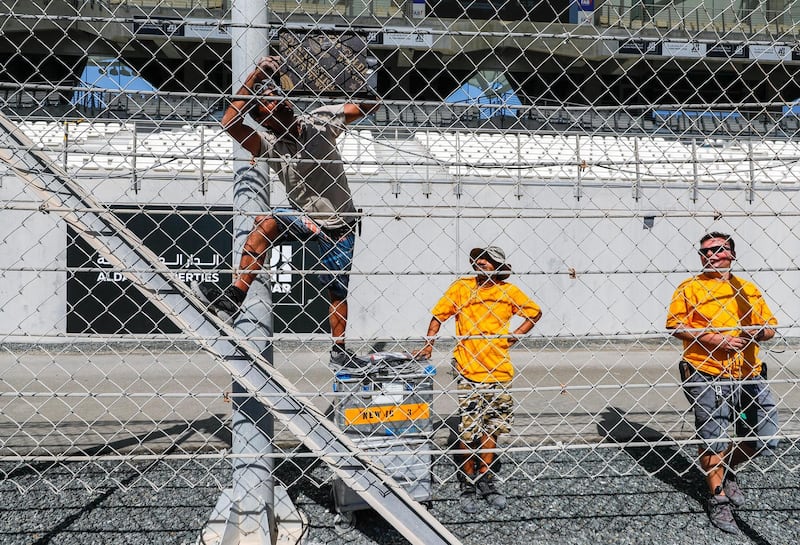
<point>707,302</point>
<point>483,310</point>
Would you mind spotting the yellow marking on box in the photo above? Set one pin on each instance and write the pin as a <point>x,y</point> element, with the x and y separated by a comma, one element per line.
<point>355,416</point>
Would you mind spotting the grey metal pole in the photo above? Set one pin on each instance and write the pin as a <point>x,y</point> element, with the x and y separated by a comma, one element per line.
<point>252,516</point>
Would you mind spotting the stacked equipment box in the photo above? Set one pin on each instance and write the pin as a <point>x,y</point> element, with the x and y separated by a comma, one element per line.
<point>384,404</point>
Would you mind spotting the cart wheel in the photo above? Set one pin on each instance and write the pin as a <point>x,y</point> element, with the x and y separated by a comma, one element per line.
<point>344,522</point>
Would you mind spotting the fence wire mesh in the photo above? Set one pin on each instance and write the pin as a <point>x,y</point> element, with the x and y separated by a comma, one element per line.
<point>594,142</point>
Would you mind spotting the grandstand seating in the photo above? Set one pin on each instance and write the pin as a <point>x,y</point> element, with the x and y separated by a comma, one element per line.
<point>109,145</point>
<point>611,159</point>
<point>498,154</point>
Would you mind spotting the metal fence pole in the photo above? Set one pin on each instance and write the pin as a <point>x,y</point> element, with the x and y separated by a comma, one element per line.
<point>251,515</point>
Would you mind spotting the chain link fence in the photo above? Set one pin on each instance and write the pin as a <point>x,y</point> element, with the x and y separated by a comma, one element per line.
<point>595,142</point>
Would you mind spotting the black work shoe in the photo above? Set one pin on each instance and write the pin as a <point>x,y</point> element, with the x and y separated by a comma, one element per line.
<point>468,498</point>
<point>342,357</point>
<point>732,491</point>
<point>489,492</point>
<point>721,515</point>
<point>225,304</point>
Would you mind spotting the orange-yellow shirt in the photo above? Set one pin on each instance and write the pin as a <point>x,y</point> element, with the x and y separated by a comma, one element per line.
<point>480,311</point>
<point>704,302</point>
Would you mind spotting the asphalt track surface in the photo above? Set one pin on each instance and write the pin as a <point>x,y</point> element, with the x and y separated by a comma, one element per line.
<point>582,494</point>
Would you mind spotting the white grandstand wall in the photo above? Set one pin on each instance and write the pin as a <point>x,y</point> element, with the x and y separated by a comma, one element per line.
<point>33,279</point>
<point>417,231</point>
<point>625,273</point>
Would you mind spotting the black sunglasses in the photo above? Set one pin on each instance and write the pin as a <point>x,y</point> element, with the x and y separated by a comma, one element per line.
<point>713,250</point>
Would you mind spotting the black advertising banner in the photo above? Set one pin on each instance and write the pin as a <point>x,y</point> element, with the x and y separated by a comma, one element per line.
<point>373,36</point>
<point>157,26</point>
<point>327,62</point>
<point>298,303</point>
<point>505,10</point>
<point>198,243</point>
<point>640,47</point>
<point>727,51</point>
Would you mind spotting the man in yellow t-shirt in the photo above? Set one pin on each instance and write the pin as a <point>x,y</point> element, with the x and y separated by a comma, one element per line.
<point>721,320</point>
<point>483,306</point>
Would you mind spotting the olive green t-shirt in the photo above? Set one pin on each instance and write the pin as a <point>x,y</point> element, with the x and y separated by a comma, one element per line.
<point>311,169</point>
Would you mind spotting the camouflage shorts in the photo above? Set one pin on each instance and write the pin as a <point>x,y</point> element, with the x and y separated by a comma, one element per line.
<point>484,408</point>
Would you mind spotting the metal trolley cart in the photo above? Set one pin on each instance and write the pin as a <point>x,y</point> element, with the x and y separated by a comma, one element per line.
<point>385,407</point>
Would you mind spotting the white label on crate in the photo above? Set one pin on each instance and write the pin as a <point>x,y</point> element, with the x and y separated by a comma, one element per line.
<point>391,393</point>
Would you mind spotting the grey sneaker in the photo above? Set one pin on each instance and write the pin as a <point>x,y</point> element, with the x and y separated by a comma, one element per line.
<point>731,488</point>
<point>225,304</point>
<point>489,492</point>
<point>342,357</point>
<point>469,498</point>
<point>721,515</point>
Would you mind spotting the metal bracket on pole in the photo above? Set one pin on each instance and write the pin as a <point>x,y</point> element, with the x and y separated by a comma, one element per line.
<point>637,183</point>
<point>695,172</point>
<point>581,165</point>
<point>107,235</point>
<point>751,170</point>
<point>226,521</point>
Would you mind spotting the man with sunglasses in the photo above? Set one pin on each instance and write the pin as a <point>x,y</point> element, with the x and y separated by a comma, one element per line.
<point>721,320</point>
<point>301,150</point>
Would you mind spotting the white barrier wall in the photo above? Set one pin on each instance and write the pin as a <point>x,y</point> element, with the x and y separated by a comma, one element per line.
<point>599,260</point>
